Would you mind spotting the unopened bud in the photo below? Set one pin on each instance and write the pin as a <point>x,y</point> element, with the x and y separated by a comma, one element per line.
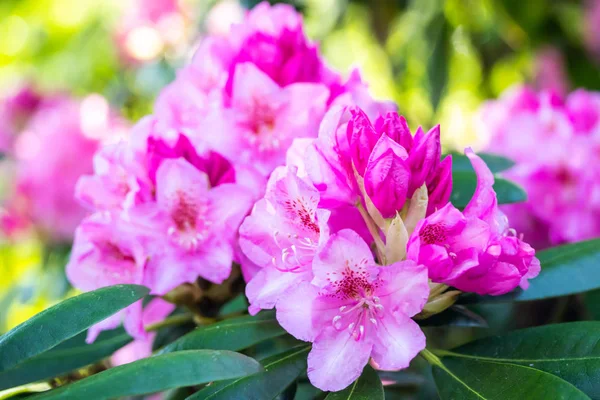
<point>438,304</point>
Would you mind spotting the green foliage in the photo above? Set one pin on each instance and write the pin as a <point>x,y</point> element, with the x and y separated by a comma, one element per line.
<point>367,387</point>
<point>570,351</point>
<point>230,334</point>
<point>63,321</point>
<point>464,184</point>
<point>155,374</point>
<point>280,372</point>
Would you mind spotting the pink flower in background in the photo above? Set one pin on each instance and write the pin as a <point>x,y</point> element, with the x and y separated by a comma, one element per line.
<point>355,310</point>
<point>562,180</point>
<point>384,155</point>
<point>474,251</point>
<point>281,236</point>
<point>592,27</point>
<point>46,173</point>
<point>249,94</point>
<point>550,73</point>
<point>156,311</point>
<point>149,27</point>
<point>15,111</point>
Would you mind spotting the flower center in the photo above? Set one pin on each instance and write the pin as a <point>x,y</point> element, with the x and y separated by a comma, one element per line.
<point>259,120</point>
<point>433,234</point>
<point>190,226</point>
<point>296,252</point>
<point>359,316</point>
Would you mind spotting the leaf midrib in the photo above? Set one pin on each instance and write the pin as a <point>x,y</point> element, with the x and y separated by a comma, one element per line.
<point>514,360</point>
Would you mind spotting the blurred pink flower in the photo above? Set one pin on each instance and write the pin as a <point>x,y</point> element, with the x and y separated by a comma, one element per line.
<point>149,27</point>
<point>555,143</point>
<point>550,71</point>
<point>46,173</point>
<point>592,27</point>
<point>354,311</point>
<point>474,251</point>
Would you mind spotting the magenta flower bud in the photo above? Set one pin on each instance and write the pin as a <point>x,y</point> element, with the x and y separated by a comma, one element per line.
<point>387,176</point>
<point>424,157</point>
<point>396,128</point>
<point>441,186</point>
<point>362,138</point>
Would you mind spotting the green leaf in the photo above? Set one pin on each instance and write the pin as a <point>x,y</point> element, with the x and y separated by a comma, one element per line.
<point>570,351</point>
<point>456,315</point>
<point>59,362</point>
<point>468,379</point>
<point>367,387</point>
<point>63,321</point>
<point>159,373</point>
<point>496,163</point>
<point>280,372</point>
<point>230,334</point>
<point>437,64</point>
<point>464,184</point>
<point>238,304</point>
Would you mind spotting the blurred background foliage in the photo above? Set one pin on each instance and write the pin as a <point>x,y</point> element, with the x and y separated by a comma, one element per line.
<point>439,60</point>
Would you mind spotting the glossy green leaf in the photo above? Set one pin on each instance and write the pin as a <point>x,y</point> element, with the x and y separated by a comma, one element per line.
<point>236,305</point>
<point>155,374</point>
<point>63,321</point>
<point>455,316</point>
<point>59,362</point>
<point>230,334</point>
<point>280,372</point>
<point>570,351</point>
<point>469,379</point>
<point>464,184</point>
<point>496,163</point>
<point>367,387</point>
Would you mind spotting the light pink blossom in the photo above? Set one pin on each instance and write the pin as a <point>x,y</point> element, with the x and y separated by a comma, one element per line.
<point>354,311</point>
<point>281,236</point>
<point>106,252</point>
<point>475,250</point>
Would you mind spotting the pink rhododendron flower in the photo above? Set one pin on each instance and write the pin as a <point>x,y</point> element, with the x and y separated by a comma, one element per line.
<point>385,156</point>
<point>550,73</point>
<point>155,311</point>
<point>257,89</point>
<point>562,181</point>
<point>354,311</point>
<point>474,250</point>
<point>282,235</point>
<point>106,252</point>
<point>15,111</point>
<point>592,27</point>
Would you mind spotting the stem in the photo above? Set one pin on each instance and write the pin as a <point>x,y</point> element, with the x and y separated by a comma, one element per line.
<point>171,321</point>
<point>431,358</point>
<point>380,246</point>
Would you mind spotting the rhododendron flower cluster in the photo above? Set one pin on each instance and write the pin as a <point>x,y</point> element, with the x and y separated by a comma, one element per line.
<point>562,181</point>
<point>168,202</point>
<point>50,142</point>
<point>164,215</point>
<point>353,294</point>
